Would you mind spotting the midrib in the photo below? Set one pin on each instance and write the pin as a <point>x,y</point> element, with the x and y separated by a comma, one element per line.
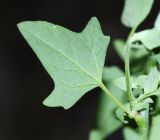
<point>70,59</point>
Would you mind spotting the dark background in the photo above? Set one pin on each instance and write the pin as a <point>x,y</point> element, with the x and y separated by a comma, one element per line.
<point>24,83</point>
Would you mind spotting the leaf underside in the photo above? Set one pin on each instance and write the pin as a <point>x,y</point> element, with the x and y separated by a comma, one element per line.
<point>135,12</point>
<point>149,37</point>
<point>74,60</point>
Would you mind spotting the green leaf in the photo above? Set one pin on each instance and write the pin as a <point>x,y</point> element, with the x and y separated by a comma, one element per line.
<point>157,92</point>
<point>136,82</point>
<point>136,66</point>
<point>137,51</point>
<point>157,105</point>
<point>135,12</point>
<point>140,106</point>
<point>106,123</point>
<point>120,114</point>
<point>152,80</point>
<point>150,38</point>
<point>95,135</point>
<point>130,134</point>
<point>74,60</point>
<point>111,73</point>
<point>151,62</point>
<point>155,128</point>
<point>149,100</point>
<point>137,91</point>
<point>119,46</point>
<point>140,81</point>
<point>157,102</point>
<point>157,57</point>
<point>121,83</point>
<point>157,22</point>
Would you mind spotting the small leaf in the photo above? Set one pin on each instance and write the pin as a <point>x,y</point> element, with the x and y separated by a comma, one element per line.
<point>157,106</point>
<point>140,81</point>
<point>149,100</point>
<point>157,93</point>
<point>137,51</point>
<point>157,22</point>
<point>121,82</point>
<point>136,66</point>
<point>137,91</point>
<point>130,134</point>
<point>74,60</point>
<point>151,62</point>
<point>135,12</point>
<point>150,38</point>
<point>95,135</point>
<point>111,73</point>
<point>157,57</point>
<point>152,80</point>
<point>140,106</point>
<point>120,114</point>
<point>155,128</point>
<point>119,46</point>
<point>157,102</point>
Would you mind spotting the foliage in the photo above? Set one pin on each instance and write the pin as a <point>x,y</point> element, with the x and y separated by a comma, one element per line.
<point>64,55</point>
<point>75,61</point>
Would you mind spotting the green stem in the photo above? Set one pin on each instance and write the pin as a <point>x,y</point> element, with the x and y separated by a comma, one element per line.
<point>119,104</point>
<point>127,74</point>
<point>131,33</point>
<point>142,118</point>
<point>127,68</point>
<point>144,96</point>
<point>143,122</point>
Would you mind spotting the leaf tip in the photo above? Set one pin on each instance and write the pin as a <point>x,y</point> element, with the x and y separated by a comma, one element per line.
<point>21,25</point>
<point>94,18</point>
<point>47,102</point>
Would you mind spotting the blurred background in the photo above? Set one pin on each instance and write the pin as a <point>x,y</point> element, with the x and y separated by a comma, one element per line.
<point>24,83</point>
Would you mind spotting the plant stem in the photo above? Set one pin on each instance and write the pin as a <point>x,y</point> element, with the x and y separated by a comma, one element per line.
<point>144,96</point>
<point>142,120</point>
<point>127,68</point>
<point>107,92</point>
<point>127,74</point>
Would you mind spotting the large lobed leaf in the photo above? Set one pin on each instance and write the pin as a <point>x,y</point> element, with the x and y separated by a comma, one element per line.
<point>135,12</point>
<point>74,60</point>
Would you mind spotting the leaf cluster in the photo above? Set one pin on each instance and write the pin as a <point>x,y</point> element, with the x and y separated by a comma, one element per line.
<point>75,61</point>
